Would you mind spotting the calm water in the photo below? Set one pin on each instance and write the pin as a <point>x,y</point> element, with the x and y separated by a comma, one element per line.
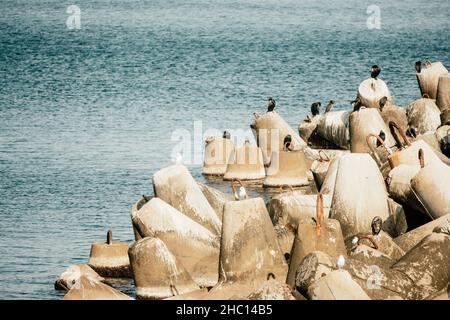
<point>87,115</point>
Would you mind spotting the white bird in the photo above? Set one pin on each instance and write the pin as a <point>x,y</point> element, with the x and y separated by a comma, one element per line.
<point>178,159</point>
<point>340,262</point>
<point>355,241</point>
<point>242,195</point>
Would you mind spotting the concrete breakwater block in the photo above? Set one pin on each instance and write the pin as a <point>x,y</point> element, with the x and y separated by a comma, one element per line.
<point>382,283</point>
<point>249,251</point>
<point>72,275</point>
<point>371,256</point>
<point>428,75</point>
<point>158,274</point>
<point>272,290</point>
<point>177,187</point>
<point>410,239</point>
<point>431,185</point>
<point>270,129</point>
<point>327,187</point>
<point>423,115</point>
<point>443,92</point>
<point>216,198</point>
<point>371,91</point>
<point>110,259</point>
<point>288,168</point>
<point>390,112</point>
<point>319,167</point>
<point>246,163</point>
<point>193,245</point>
<point>307,240</point>
<point>334,127</point>
<point>336,285</point>
<point>88,289</point>
<point>359,195</point>
<point>365,122</point>
<point>217,153</point>
<point>134,209</point>
<point>428,263</point>
<point>384,243</point>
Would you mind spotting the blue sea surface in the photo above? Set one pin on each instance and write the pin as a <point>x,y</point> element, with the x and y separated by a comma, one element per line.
<point>88,115</point>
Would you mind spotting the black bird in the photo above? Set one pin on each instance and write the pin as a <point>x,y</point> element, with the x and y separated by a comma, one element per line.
<point>382,103</point>
<point>226,135</point>
<point>315,108</point>
<point>375,71</point>
<point>356,104</point>
<point>330,106</point>
<point>270,104</point>
<point>377,224</point>
<point>382,136</point>
<point>418,66</point>
<point>287,142</point>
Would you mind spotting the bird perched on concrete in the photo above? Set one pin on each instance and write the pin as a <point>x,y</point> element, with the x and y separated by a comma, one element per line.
<point>418,66</point>
<point>315,108</point>
<point>377,224</point>
<point>270,104</point>
<point>356,104</point>
<point>242,194</point>
<point>287,142</point>
<point>226,135</point>
<point>375,71</point>
<point>340,262</point>
<point>330,106</point>
<point>382,136</point>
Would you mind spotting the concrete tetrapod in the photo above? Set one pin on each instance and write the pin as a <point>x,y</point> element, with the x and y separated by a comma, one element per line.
<point>410,239</point>
<point>177,187</point>
<point>269,130</point>
<point>110,259</point>
<point>355,210</point>
<point>336,285</point>
<point>158,274</point>
<point>287,210</point>
<point>371,91</point>
<point>428,263</point>
<point>364,122</point>
<point>216,198</point>
<point>217,153</point>
<point>288,168</point>
<point>88,289</point>
<point>307,241</point>
<point>193,245</point>
<point>334,127</point>
<point>249,251</point>
<point>320,167</point>
<point>134,209</point>
<point>428,77</point>
<point>423,115</point>
<point>431,185</point>
<point>246,163</point>
<point>443,92</point>
<point>71,275</point>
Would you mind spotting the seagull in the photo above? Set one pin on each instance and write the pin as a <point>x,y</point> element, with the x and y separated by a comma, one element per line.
<point>375,71</point>
<point>270,104</point>
<point>178,159</point>
<point>330,106</point>
<point>340,262</point>
<point>355,241</point>
<point>241,195</point>
<point>315,108</point>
